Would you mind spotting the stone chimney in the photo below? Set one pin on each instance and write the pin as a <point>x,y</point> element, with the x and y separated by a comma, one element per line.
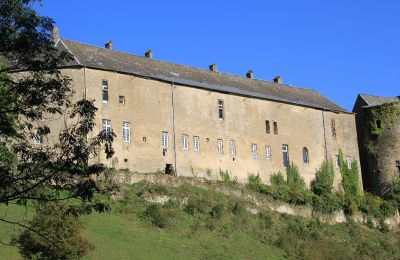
<point>108,45</point>
<point>250,74</point>
<point>213,67</point>
<point>55,35</point>
<point>149,54</point>
<point>278,80</point>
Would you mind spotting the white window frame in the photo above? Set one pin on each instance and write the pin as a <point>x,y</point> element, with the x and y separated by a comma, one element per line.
<point>220,146</point>
<point>254,154</point>
<point>268,152</point>
<point>164,140</point>
<point>232,147</point>
<point>38,137</point>
<point>185,142</point>
<point>104,87</point>
<point>106,126</point>
<point>349,161</point>
<point>196,143</point>
<point>126,132</point>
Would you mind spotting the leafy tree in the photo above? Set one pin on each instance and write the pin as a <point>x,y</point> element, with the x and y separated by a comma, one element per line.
<point>32,89</point>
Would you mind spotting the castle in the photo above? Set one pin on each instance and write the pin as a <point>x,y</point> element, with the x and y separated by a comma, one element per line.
<point>190,121</point>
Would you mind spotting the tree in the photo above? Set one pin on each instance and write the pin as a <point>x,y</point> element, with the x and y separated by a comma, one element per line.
<point>32,87</point>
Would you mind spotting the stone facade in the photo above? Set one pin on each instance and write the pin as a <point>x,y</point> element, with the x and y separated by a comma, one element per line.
<point>188,113</point>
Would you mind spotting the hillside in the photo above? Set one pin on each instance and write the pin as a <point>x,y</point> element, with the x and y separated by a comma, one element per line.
<point>153,221</point>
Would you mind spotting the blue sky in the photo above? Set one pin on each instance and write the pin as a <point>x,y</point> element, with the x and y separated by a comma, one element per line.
<point>339,48</point>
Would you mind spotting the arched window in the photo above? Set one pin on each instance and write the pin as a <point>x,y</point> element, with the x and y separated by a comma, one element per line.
<point>306,158</point>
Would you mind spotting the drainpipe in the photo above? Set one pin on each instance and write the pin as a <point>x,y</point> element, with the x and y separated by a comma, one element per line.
<point>173,126</point>
<point>323,123</point>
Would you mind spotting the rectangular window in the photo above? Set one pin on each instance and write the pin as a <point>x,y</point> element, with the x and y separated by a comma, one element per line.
<point>121,100</point>
<point>106,127</point>
<point>220,109</point>
<point>337,161</point>
<point>333,127</point>
<point>196,143</point>
<point>349,161</point>
<point>275,128</point>
<point>232,147</point>
<point>254,151</point>
<point>126,132</point>
<point>38,137</point>
<point>285,154</point>
<point>268,152</point>
<point>164,140</point>
<point>398,166</point>
<point>185,142</point>
<point>105,91</point>
<point>267,127</point>
<point>220,146</point>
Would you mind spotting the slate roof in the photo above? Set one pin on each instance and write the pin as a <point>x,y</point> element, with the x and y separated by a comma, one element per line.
<point>111,60</point>
<point>377,100</point>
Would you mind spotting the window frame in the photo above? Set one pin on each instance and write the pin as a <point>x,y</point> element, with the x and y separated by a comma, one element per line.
<point>164,140</point>
<point>196,143</point>
<point>268,152</point>
<point>220,146</point>
<point>107,127</point>
<point>221,112</point>
<point>38,137</point>
<point>126,132</point>
<point>185,142</point>
<point>232,148</point>
<point>285,151</point>
<point>104,87</point>
<point>254,152</point>
<point>119,100</point>
<point>306,155</point>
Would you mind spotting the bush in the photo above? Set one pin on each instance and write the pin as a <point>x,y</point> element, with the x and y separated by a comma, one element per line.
<point>327,203</point>
<point>350,177</point>
<point>57,236</point>
<point>323,182</point>
<point>277,179</point>
<point>294,180</point>
<point>226,178</point>
<point>254,182</point>
<point>217,211</point>
<point>155,215</point>
<point>394,193</point>
<point>196,205</point>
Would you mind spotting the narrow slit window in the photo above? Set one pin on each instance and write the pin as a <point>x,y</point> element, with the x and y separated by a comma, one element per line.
<point>196,143</point>
<point>232,148</point>
<point>254,151</point>
<point>105,91</point>
<point>185,142</point>
<point>305,155</point>
<point>337,161</point>
<point>221,115</point>
<point>333,127</point>
<point>275,128</point>
<point>220,146</point>
<point>267,127</point>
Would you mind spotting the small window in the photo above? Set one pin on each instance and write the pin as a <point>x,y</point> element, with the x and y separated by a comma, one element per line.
<point>268,152</point>
<point>267,127</point>
<point>164,140</point>
<point>337,161</point>
<point>378,124</point>
<point>121,100</point>
<point>305,155</point>
<point>254,151</point>
<point>220,146</point>
<point>106,127</point>
<point>221,109</point>
<point>126,132</point>
<point>275,128</point>
<point>185,142</point>
<point>349,161</point>
<point>333,127</point>
<point>398,166</point>
<point>38,137</point>
<point>105,91</point>
<point>285,154</point>
<point>232,148</point>
<point>196,143</point>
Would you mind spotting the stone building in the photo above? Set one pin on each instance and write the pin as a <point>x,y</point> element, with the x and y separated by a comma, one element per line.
<point>197,122</point>
<point>378,129</point>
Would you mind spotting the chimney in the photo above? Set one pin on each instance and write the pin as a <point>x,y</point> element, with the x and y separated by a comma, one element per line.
<point>278,80</point>
<point>213,67</point>
<point>250,74</point>
<point>149,54</point>
<point>108,45</point>
<point>55,35</point>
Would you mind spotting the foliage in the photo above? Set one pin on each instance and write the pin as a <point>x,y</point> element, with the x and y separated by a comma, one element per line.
<point>394,193</point>
<point>350,177</point>
<point>53,234</point>
<point>226,177</point>
<point>155,215</point>
<point>254,182</point>
<point>277,179</point>
<point>217,211</point>
<point>323,182</point>
<point>294,179</point>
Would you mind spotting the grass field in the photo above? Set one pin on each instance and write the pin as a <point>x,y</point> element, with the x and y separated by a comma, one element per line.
<point>194,223</point>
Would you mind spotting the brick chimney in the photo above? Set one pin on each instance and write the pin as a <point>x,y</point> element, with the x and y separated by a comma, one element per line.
<point>108,45</point>
<point>278,80</point>
<point>149,54</point>
<point>250,74</point>
<point>55,35</point>
<point>213,67</point>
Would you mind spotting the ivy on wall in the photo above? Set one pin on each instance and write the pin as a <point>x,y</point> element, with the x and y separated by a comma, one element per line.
<point>378,119</point>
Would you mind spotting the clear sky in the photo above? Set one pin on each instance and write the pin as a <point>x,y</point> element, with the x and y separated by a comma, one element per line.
<point>339,48</point>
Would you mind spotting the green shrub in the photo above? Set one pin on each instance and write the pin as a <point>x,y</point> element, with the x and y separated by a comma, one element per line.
<point>323,182</point>
<point>226,178</point>
<point>155,215</point>
<point>254,182</point>
<point>217,211</point>
<point>294,180</point>
<point>57,236</point>
<point>277,179</point>
<point>394,193</point>
<point>326,203</point>
<point>350,177</point>
<point>196,205</point>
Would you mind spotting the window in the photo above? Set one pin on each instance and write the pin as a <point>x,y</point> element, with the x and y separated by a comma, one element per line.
<point>105,91</point>
<point>285,154</point>
<point>333,127</point>
<point>196,143</point>
<point>38,137</point>
<point>232,148</point>
<point>185,142</point>
<point>106,127</point>
<point>220,146</point>
<point>267,127</point>
<point>305,155</point>
<point>121,100</point>
<point>126,132</point>
<point>337,161</point>
<point>164,140</point>
<point>378,124</point>
<point>268,152</point>
<point>349,161</point>
<point>254,151</point>
<point>220,109</point>
<point>275,128</point>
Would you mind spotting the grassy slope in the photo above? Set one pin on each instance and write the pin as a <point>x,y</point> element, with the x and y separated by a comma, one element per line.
<point>192,232</point>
